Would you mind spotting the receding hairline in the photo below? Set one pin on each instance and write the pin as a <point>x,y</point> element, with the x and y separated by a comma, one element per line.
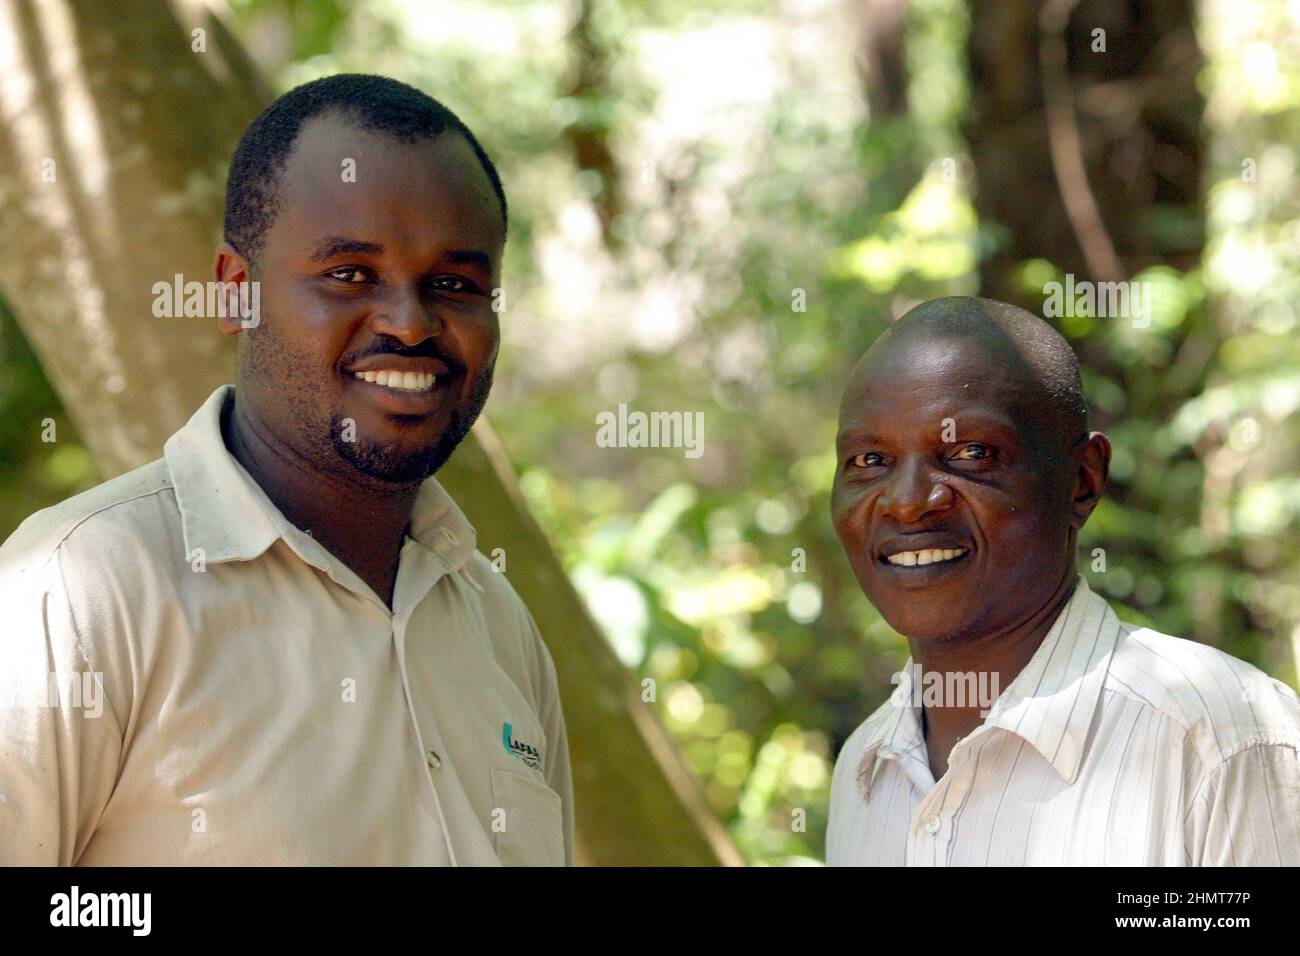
<point>366,101</point>
<point>348,119</point>
<point>1048,361</point>
<point>972,316</point>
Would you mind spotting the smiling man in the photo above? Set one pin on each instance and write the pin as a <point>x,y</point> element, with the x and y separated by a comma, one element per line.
<point>277,644</point>
<point>965,472</point>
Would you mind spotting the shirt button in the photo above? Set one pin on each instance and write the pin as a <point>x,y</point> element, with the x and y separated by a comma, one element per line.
<point>932,826</point>
<point>433,761</point>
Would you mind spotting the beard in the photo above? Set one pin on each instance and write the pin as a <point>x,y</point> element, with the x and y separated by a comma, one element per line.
<point>294,412</point>
<point>389,464</point>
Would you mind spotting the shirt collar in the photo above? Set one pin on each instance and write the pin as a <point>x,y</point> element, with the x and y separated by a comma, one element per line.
<point>898,735</point>
<point>1050,704</point>
<point>1052,701</point>
<point>227,515</point>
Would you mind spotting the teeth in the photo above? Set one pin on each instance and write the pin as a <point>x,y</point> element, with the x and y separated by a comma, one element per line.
<point>928,556</point>
<point>410,381</point>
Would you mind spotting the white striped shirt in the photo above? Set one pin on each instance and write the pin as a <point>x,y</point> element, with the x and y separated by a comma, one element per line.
<point>1116,745</point>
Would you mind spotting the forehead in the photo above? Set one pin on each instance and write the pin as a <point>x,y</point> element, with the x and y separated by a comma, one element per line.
<point>916,383</point>
<point>343,180</point>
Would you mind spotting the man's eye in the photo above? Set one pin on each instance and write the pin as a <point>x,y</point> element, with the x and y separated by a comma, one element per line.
<point>358,275</point>
<point>974,452</point>
<point>453,284</point>
<point>865,460</point>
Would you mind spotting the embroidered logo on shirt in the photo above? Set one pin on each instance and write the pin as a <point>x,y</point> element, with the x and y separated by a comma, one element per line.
<point>517,748</point>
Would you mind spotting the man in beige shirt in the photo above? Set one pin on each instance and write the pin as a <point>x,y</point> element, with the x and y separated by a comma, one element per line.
<point>278,644</point>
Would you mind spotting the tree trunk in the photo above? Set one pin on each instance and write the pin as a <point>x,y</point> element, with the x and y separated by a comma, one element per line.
<point>1092,158</point>
<point>115,138</point>
<point>1088,157</point>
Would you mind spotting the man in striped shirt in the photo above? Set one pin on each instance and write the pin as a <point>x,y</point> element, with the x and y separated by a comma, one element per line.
<point>1030,725</point>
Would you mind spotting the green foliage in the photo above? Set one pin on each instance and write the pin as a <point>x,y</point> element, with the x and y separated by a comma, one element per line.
<point>41,460</point>
<point>783,233</point>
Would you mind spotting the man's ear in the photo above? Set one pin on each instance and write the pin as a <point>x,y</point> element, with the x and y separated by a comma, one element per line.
<point>1091,467</point>
<point>239,296</point>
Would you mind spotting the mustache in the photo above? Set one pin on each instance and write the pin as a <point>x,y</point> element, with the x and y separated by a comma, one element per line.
<point>426,349</point>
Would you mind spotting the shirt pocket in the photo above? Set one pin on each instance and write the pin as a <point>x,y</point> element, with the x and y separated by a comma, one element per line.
<point>527,821</point>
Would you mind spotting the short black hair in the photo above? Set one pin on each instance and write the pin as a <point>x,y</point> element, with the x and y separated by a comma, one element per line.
<point>1011,330</point>
<point>377,103</point>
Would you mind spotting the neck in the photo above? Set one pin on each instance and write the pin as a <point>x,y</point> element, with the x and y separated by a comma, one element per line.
<point>1002,653</point>
<point>360,523</point>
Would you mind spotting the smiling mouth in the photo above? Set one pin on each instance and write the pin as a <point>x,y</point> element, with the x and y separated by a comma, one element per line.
<point>400,381</point>
<point>926,556</point>
<point>391,395</point>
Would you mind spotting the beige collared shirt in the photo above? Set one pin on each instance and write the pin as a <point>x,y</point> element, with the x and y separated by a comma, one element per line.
<point>1116,745</point>
<point>187,678</point>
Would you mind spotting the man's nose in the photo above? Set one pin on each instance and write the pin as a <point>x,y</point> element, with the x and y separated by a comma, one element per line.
<point>406,316</point>
<point>913,491</point>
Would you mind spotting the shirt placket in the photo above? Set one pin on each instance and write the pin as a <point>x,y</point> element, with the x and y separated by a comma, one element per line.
<point>430,759</point>
<point>933,826</point>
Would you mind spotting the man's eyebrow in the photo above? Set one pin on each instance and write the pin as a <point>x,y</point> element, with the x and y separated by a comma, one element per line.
<point>964,424</point>
<point>853,433</point>
<point>468,257</point>
<point>332,246</point>
<point>992,422</point>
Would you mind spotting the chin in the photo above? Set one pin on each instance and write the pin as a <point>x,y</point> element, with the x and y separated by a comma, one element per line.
<point>928,629</point>
<point>923,615</point>
<point>410,455</point>
<point>380,463</point>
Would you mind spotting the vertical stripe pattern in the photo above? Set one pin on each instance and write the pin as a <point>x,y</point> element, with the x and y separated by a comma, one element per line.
<point>1115,746</point>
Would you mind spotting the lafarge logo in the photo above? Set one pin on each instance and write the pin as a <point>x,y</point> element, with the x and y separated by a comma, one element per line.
<point>517,748</point>
<point>102,909</point>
